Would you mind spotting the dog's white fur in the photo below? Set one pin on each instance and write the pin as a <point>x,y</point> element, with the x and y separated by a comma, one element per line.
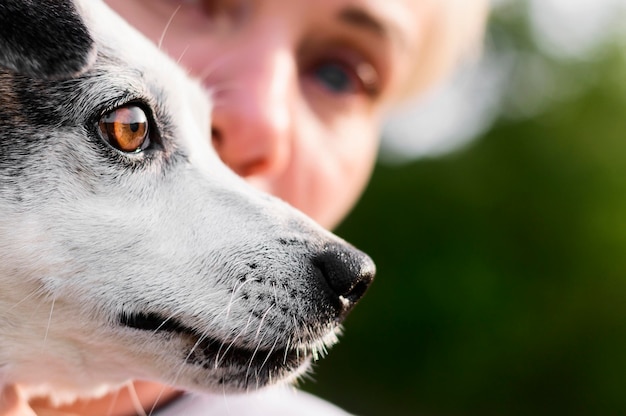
<point>83,243</point>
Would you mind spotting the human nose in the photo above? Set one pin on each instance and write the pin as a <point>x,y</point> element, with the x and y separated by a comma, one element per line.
<point>252,121</point>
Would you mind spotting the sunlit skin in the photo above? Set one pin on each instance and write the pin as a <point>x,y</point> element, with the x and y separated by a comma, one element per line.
<point>300,89</point>
<point>299,86</point>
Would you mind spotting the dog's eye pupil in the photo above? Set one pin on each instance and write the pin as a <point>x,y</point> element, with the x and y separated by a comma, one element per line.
<point>125,128</point>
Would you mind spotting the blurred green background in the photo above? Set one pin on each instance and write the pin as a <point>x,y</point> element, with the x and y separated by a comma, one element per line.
<point>501,286</point>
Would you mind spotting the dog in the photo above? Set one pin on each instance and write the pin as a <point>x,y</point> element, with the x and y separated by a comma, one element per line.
<point>127,249</point>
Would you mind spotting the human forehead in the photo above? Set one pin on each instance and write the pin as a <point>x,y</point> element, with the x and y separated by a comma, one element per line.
<point>398,20</point>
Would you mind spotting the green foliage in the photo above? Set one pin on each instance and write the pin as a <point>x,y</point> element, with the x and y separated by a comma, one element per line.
<point>501,286</point>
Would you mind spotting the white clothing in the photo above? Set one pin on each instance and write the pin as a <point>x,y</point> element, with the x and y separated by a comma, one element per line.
<point>273,401</point>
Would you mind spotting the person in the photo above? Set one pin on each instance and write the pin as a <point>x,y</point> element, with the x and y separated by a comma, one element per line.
<point>300,91</point>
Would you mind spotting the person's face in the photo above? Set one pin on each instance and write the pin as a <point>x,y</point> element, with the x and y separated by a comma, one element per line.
<point>298,86</point>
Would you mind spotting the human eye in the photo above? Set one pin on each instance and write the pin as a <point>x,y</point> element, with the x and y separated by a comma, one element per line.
<point>344,72</point>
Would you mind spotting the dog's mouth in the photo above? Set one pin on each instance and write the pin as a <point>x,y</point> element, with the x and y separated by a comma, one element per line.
<point>261,365</point>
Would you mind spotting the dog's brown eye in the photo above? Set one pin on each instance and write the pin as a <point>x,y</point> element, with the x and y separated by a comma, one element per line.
<point>125,128</point>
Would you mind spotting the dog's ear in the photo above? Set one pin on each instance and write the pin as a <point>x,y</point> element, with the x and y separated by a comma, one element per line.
<point>44,38</point>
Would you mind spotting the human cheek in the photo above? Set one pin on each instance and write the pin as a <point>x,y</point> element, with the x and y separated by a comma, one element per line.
<point>326,174</point>
<point>342,174</point>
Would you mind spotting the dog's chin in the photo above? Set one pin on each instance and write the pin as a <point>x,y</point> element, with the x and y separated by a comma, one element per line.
<point>227,366</point>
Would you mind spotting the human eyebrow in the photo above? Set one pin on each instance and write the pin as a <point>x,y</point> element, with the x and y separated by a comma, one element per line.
<point>362,19</point>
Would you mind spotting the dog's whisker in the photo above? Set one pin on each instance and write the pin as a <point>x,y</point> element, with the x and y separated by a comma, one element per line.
<point>275,293</point>
<point>163,323</point>
<point>224,86</point>
<point>257,347</point>
<point>217,100</point>
<point>218,360</point>
<point>208,71</point>
<point>297,333</point>
<point>180,57</point>
<point>45,337</point>
<point>269,353</point>
<point>256,336</point>
<point>258,339</point>
<point>167,26</point>
<point>27,297</point>
<point>286,350</point>
<point>225,396</point>
<point>134,398</point>
<point>201,338</point>
<point>300,332</point>
<point>217,318</point>
<point>157,400</point>
<point>232,296</point>
<point>232,343</point>
<point>113,402</point>
<point>45,296</point>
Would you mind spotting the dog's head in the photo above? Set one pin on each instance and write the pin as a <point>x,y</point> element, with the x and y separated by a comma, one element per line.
<point>127,249</point>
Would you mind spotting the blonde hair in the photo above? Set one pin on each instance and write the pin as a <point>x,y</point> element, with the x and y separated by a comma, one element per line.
<point>453,32</point>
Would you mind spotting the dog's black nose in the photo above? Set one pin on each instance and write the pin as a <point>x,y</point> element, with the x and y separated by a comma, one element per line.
<point>347,271</point>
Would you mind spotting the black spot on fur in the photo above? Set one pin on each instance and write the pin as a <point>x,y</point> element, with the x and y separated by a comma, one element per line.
<point>288,241</point>
<point>46,38</point>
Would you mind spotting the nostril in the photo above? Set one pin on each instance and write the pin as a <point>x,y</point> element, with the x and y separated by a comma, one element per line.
<point>347,271</point>
<point>216,137</point>
<point>357,291</point>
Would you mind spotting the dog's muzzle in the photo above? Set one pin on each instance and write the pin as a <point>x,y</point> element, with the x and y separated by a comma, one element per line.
<point>336,277</point>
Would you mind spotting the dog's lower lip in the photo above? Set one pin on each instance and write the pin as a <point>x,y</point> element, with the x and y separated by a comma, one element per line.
<point>149,321</point>
<point>212,353</point>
